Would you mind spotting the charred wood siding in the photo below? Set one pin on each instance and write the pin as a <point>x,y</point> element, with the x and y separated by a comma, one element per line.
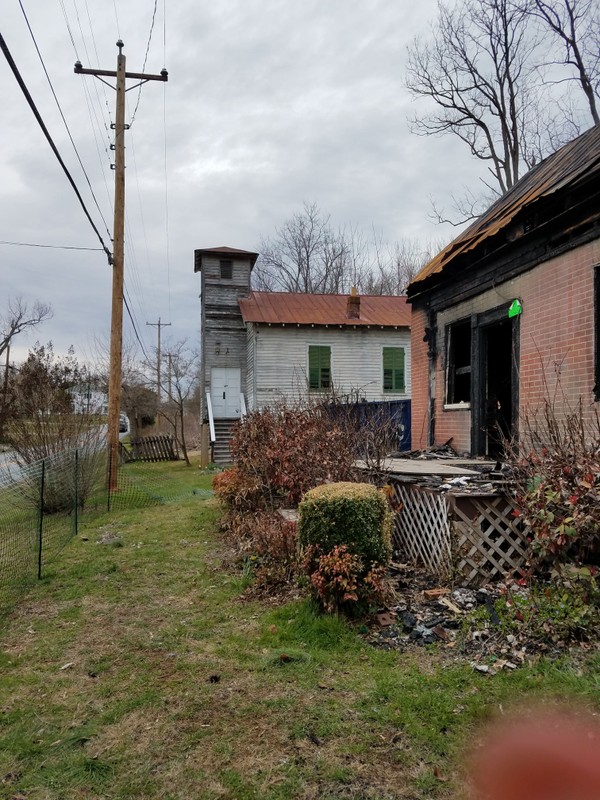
<point>556,342</point>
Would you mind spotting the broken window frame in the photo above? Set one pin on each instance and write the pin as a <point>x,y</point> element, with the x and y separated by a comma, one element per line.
<point>459,375</point>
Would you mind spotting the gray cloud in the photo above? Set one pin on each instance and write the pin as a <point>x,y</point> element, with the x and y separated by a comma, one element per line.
<point>268,104</point>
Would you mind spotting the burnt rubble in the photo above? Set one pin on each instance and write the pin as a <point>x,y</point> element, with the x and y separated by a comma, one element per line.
<point>458,623</point>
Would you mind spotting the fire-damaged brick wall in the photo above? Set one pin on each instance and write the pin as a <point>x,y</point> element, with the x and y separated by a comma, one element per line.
<point>419,379</point>
<point>557,330</point>
<point>556,344</point>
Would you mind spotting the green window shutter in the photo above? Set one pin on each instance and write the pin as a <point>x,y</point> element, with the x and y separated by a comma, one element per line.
<point>393,370</point>
<point>319,367</point>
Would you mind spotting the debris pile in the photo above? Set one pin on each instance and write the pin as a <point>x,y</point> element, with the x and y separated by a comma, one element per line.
<point>463,623</point>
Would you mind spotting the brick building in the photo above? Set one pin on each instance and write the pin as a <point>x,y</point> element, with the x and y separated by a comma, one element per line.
<point>507,315</point>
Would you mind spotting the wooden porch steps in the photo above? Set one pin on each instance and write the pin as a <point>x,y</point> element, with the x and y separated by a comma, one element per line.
<point>221,451</point>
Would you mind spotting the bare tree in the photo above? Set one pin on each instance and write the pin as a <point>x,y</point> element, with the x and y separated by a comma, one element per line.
<point>395,266</point>
<point>477,70</point>
<point>179,378</point>
<point>46,425</point>
<point>138,400</point>
<point>138,387</point>
<point>576,23</point>
<point>19,317</point>
<point>305,255</point>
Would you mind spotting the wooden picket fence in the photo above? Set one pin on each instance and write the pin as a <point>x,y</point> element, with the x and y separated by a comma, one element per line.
<point>470,537</point>
<point>154,448</point>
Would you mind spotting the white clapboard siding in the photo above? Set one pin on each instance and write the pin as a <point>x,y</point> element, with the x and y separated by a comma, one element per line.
<point>278,363</point>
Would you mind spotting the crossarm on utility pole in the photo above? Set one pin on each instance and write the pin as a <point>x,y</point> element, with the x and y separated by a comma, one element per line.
<point>116,329</point>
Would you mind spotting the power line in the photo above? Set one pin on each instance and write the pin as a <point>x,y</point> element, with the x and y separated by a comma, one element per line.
<point>145,60</point>
<point>103,87</point>
<point>63,118</point>
<point>54,246</point>
<point>95,123</point>
<point>167,254</point>
<point>36,113</point>
<point>62,5</point>
<point>135,330</point>
<point>117,18</point>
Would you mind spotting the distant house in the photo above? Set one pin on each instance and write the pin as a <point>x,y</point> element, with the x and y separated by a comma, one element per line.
<point>88,398</point>
<point>508,314</point>
<point>259,348</point>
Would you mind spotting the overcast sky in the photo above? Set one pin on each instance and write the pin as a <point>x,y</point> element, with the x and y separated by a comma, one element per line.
<point>269,103</point>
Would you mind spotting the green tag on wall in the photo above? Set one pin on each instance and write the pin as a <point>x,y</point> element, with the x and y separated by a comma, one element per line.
<point>515,309</point>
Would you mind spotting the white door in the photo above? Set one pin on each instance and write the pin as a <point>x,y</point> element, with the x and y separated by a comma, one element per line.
<point>225,388</point>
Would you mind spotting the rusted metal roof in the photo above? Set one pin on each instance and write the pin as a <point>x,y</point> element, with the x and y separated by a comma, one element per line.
<point>287,308</point>
<point>579,160</point>
<point>221,251</point>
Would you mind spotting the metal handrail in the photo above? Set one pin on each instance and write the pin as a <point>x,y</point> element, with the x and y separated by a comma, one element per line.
<point>243,405</point>
<point>211,419</point>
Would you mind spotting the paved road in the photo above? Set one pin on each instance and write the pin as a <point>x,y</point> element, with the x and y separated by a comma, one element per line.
<point>8,468</point>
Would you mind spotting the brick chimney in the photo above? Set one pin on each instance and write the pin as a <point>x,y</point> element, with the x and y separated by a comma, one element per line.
<point>353,305</point>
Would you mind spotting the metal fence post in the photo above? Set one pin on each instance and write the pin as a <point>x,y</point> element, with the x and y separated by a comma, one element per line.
<point>76,510</point>
<point>41,518</point>
<point>110,461</point>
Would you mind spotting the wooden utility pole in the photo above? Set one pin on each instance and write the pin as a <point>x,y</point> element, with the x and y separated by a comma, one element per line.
<point>158,325</point>
<point>116,328</point>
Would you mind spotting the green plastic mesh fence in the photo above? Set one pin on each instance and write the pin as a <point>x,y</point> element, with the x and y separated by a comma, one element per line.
<point>41,505</point>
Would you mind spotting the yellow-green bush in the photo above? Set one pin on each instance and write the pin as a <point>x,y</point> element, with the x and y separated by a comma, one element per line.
<point>351,514</point>
<point>345,530</point>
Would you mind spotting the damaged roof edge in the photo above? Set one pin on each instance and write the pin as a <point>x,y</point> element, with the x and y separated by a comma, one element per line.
<point>576,162</point>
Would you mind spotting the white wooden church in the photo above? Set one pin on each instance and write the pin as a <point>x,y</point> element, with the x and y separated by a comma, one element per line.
<point>259,348</point>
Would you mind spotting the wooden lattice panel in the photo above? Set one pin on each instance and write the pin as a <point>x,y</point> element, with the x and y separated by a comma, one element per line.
<point>421,526</point>
<point>488,541</point>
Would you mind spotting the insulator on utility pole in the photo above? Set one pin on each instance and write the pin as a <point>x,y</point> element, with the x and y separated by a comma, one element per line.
<point>116,329</point>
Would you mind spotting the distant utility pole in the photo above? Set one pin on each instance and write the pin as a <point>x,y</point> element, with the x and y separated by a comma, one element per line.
<point>158,325</point>
<point>116,328</point>
<point>170,375</point>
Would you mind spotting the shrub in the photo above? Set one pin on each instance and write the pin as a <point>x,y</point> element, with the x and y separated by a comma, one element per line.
<point>339,581</point>
<point>240,492</point>
<point>274,543</point>
<point>558,489</point>
<point>280,453</point>
<point>287,451</point>
<point>351,514</point>
<point>266,544</point>
<point>562,610</point>
<point>345,530</point>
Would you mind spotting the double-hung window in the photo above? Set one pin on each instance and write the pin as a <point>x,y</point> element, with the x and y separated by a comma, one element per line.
<point>393,370</point>
<point>319,368</point>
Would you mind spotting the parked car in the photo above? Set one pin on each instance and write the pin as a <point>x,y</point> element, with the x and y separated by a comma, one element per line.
<point>123,423</point>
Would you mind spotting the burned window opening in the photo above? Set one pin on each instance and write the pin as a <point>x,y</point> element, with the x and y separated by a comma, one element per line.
<point>458,363</point>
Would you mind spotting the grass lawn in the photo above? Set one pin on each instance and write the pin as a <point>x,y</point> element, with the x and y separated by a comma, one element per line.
<point>136,670</point>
